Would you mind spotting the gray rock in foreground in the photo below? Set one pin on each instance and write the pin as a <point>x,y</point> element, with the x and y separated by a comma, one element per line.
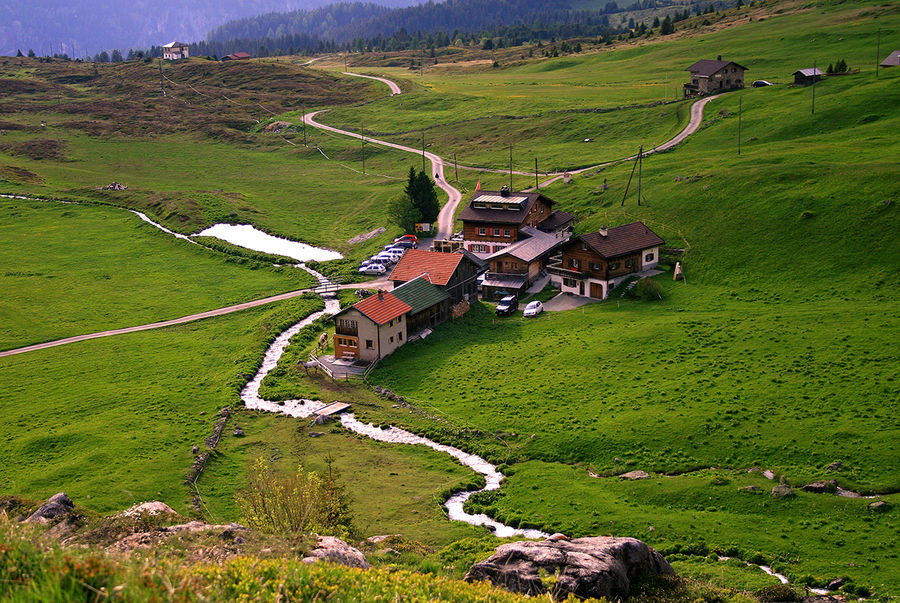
<point>56,505</point>
<point>586,567</point>
<point>335,550</point>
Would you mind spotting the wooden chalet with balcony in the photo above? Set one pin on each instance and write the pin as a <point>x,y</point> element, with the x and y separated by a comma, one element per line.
<point>376,326</point>
<point>454,273</point>
<point>492,219</point>
<point>709,76</point>
<point>515,268</point>
<point>596,262</point>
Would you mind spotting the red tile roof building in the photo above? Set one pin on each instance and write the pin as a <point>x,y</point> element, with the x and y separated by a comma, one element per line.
<point>455,273</point>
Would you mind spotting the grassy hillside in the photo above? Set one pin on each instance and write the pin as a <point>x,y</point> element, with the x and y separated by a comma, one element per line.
<point>73,269</point>
<point>198,155</point>
<point>772,39</point>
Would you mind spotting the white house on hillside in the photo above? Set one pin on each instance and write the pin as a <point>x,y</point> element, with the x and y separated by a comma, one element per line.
<point>176,50</point>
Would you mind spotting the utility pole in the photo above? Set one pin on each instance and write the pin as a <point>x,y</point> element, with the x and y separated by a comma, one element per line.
<point>362,130</point>
<point>510,168</point>
<point>304,124</point>
<point>536,185</point>
<point>740,111</point>
<point>455,167</point>
<point>878,53</point>
<point>161,87</point>
<point>423,152</point>
<point>667,85</point>
<point>640,171</point>
<point>814,89</point>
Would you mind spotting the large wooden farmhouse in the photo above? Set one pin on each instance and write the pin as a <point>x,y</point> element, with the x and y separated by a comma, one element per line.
<point>454,273</point>
<point>492,219</point>
<point>376,326</point>
<point>516,267</point>
<point>176,50</point>
<point>594,263</point>
<point>708,76</point>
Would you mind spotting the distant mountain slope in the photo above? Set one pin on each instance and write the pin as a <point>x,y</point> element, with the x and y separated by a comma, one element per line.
<point>77,26</point>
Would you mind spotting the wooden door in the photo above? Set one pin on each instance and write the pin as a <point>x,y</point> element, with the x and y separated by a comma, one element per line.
<point>597,290</point>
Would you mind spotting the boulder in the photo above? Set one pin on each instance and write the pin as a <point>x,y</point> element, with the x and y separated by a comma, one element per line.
<point>335,550</point>
<point>381,538</point>
<point>821,487</point>
<point>154,507</point>
<point>836,584</point>
<point>585,567</point>
<point>635,475</point>
<point>149,539</point>
<point>782,491</point>
<point>835,466</point>
<point>750,488</point>
<point>57,505</point>
<point>878,505</point>
<point>238,432</point>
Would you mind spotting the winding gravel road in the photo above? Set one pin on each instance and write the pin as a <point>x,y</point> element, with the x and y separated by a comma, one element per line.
<point>445,218</point>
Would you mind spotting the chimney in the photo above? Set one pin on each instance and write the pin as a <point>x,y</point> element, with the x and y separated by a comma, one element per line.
<point>504,191</point>
<point>720,57</point>
<point>603,231</point>
<point>380,294</point>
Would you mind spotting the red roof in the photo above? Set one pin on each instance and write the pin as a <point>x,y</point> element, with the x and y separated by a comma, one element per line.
<point>436,266</point>
<point>383,307</point>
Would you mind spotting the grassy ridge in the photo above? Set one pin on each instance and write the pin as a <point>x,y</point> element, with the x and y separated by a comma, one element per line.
<point>118,416</point>
<point>73,269</point>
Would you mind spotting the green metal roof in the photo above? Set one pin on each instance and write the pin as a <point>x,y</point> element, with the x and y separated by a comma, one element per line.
<point>420,294</point>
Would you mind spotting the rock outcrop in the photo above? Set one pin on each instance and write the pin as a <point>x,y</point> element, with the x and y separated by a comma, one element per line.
<point>335,550</point>
<point>638,474</point>
<point>585,567</point>
<point>782,491</point>
<point>821,487</point>
<point>148,539</point>
<point>154,507</point>
<point>56,505</point>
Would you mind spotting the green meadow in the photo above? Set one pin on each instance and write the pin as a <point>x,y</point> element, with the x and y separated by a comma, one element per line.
<point>112,421</point>
<point>73,269</point>
<point>771,39</point>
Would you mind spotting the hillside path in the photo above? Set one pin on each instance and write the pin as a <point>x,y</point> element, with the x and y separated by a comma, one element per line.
<point>377,283</point>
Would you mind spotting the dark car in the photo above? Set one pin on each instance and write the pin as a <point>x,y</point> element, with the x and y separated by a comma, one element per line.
<point>507,305</point>
<point>407,244</point>
<point>761,84</point>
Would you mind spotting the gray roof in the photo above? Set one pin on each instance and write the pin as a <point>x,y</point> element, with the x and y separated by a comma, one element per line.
<point>893,60</point>
<point>809,72</point>
<point>557,220</point>
<point>504,281</point>
<point>501,216</point>
<point>420,294</point>
<point>707,67</point>
<point>537,244</point>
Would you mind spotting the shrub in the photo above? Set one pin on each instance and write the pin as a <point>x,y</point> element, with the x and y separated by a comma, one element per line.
<point>777,592</point>
<point>301,502</point>
<point>648,289</point>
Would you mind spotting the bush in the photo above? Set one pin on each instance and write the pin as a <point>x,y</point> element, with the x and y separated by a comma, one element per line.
<point>648,289</point>
<point>302,502</point>
<point>777,593</point>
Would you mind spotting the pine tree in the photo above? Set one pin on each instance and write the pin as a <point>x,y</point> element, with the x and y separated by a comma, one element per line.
<point>655,22</point>
<point>667,27</point>
<point>19,54</point>
<point>30,53</point>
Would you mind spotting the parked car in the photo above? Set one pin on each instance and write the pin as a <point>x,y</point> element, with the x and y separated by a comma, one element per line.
<point>507,305</point>
<point>761,84</point>
<point>407,237</point>
<point>386,257</point>
<point>533,308</point>
<point>374,269</point>
<point>405,244</point>
<point>395,254</point>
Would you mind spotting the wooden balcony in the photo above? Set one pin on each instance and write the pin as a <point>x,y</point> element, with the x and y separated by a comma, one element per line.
<point>345,330</point>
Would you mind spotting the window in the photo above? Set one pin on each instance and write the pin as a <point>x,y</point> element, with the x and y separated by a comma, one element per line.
<point>584,246</point>
<point>574,263</point>
<point>569,282</point>
<point>399,320</point>
<point>399,336</point>
<point>629,263</point>
<point>482,231</point>
<point>369,345</point>
<point>479,205</point>
<point>648,257</point>
<point>595,266</point>
<point>480,248</point>
<point>391,323</point>
<point>507,233</point>
<point>496,232</point>
<point>392,339</point>
<point>614,266</point>
<point>351,343</point>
